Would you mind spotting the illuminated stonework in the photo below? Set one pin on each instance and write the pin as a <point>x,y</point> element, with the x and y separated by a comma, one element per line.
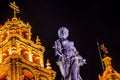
<point>109,72</point>
<point>20,57</point>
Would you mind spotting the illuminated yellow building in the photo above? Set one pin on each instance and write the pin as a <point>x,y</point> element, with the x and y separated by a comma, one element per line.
<point>109,72</point>
<point>20,57</point>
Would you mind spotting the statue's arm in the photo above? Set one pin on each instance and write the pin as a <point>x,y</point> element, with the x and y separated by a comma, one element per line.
<point>58,49</point>
<point>74,49</point>
<point>82,61</point>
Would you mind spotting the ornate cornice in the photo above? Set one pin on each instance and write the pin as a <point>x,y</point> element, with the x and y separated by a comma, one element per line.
<point>27,41</point>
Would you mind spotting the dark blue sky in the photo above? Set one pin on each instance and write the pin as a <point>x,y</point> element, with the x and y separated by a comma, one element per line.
<point>87,21</point>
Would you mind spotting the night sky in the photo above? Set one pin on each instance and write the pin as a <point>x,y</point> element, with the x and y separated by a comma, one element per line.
<point>88,21</point>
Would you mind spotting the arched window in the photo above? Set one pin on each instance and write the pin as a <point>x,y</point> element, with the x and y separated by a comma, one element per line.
<point>27,75</point>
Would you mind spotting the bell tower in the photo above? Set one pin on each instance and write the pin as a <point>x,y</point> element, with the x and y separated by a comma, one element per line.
<point>109,72</point>
<point>20,57</point>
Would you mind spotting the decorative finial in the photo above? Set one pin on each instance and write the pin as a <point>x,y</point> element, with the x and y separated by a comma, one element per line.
<point>38,40</point>
<point>48,65</point>
<point>15,8</point>
<point>104,49</point>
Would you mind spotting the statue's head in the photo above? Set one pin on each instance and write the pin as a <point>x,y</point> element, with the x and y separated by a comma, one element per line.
<point>63,33</point>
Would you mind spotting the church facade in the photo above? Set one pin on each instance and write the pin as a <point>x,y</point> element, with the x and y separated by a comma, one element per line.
<point>20,57</point>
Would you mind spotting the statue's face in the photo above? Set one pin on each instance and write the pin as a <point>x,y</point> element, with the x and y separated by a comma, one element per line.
<point>63,32</point>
